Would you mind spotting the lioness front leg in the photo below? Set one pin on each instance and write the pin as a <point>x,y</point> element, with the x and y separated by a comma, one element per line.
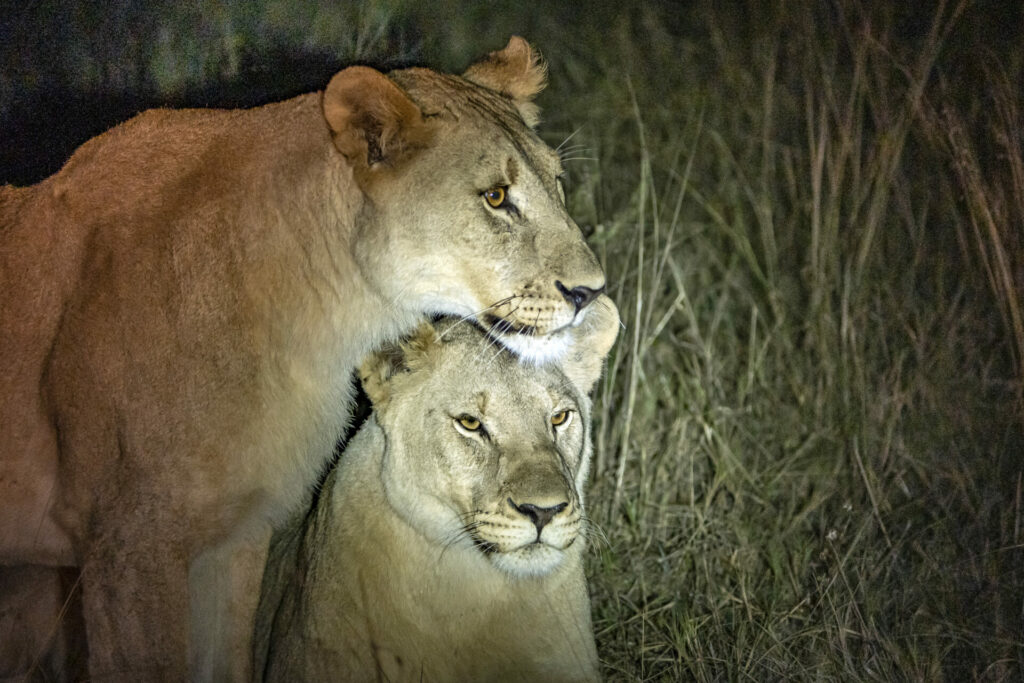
<point>136,604</point>
<point>224,582</point>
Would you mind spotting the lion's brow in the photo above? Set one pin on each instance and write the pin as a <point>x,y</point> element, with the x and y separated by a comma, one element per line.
<point>498,110</point>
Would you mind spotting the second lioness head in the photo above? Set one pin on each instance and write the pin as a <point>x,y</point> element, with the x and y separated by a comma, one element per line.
<point>456,163</point>
<point>485,455</point>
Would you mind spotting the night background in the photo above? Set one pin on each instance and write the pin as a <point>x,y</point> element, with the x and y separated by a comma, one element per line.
<point>808,452</point>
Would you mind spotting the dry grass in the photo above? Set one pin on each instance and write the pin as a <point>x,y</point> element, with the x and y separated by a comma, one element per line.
<point>809,461</point>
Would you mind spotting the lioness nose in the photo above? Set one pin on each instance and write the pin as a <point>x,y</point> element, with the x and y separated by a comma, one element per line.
<point>578,296</point>
<point>538,515</point>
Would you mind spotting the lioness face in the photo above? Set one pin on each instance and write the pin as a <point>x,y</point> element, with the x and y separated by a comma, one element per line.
<point>486,456</point>
<point>473,224</point>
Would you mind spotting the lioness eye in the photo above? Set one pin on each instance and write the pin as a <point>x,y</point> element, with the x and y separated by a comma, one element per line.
<point>495,196</point>
<point>468,422</point>
<point>560,418</point>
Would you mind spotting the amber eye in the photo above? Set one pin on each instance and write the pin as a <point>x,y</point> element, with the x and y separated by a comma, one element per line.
<point>559,418</point>
<point>495,196</point>
<point>469,422</point>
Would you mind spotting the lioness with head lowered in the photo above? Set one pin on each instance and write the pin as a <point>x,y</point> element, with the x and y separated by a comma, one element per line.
<point>183,305</point>
<point>447,544</point>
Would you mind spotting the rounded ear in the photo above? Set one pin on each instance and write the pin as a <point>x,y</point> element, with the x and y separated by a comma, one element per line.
<point>378,370</point>
<point>517,72</point>
<point>371,120</point>
<point>592,339</point>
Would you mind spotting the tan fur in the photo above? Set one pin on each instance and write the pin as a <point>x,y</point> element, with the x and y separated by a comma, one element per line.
<point>386,580</point>
<point>183,305</point>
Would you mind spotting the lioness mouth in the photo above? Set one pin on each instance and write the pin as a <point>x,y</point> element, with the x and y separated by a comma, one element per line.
<point>486,547</point>
<point>489,548</point>
<point>502,326</point>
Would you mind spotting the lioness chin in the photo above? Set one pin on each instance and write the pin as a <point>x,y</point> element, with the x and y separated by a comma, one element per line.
<point>447,543</point>
<point>185,301</point>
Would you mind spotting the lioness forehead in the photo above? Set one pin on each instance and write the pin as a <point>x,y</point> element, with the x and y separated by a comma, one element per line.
<point>440,94</point>
<point>492,374</point>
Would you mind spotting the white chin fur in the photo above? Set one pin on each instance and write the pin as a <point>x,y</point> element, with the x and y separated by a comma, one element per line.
<point>531,560</point>
<point>537,350</point>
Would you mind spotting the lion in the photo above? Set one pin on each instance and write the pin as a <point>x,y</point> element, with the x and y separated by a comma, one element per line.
<point>185,301</point>
<point>447,543</point>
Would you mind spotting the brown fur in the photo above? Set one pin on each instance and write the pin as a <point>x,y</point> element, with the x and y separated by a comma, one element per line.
<point>183,304</point>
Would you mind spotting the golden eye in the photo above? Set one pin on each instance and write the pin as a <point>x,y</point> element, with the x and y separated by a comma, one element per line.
<point>495,196</point>
<point>560,417</point>
<point>469,422</point>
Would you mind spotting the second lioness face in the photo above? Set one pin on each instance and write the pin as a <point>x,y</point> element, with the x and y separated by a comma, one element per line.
<point>489,455</point>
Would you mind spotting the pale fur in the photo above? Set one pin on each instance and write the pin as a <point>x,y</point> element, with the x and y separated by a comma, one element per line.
<point>386,578</point>
<point>184,303</point>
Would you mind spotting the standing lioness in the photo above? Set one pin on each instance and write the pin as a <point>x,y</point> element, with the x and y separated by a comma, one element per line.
<point>447,544</point>
<point>184,302</point>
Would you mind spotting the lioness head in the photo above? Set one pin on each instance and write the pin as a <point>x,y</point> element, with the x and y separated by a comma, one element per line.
<point>463,207</point>
<point>485,455</point>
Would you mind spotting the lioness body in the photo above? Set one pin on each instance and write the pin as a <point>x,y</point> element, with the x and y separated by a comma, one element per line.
<point>184,303</point>
<point>390,578</point>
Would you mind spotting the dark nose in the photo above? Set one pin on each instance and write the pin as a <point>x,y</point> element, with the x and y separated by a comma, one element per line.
<point>578,296</point>
<point>538,515</point>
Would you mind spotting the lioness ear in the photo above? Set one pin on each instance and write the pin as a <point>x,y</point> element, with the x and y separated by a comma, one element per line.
<point>592,340</point>
<point>379,369</point>
<point>371,119</point>
<point>376,372</point>
<point>517,72</point>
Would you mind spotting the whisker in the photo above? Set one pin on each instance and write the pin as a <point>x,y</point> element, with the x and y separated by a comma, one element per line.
<point>482,352</point>
<point>568,138</point>
<point>609,307</point>
<point>496,304</point>
<point>499,349</point>
<point>455,537</point>
<point>571,148</point>
<point>574,153</point>
<point>593,532</point>
<point>493,331</point>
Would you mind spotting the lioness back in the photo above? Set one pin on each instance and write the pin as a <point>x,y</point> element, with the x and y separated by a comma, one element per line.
<point>447,544</point>
<point>183,305</point>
